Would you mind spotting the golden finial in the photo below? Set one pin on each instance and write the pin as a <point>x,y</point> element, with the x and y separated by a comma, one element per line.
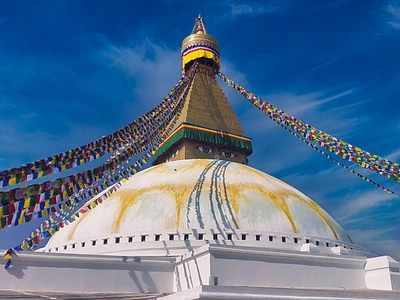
<point>199,26</point>
<point>199,44</point>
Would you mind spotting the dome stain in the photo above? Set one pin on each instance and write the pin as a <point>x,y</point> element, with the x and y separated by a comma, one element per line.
<point>238,191</point>
<point>311,204</point>
<point>214,187</point>
<point>129,197</point>
<point>77,222</point>
<point>180,195</point>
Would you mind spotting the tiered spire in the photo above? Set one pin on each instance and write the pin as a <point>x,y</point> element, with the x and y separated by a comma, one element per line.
<point>207,127</point>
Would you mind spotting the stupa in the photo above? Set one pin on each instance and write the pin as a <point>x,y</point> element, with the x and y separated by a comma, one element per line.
<point>202,224</point>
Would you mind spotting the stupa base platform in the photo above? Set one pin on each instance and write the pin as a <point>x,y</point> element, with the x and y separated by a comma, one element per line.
<point>209,272</point>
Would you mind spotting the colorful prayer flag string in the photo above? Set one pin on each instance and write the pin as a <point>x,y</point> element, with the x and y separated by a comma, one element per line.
<point>55,192</point>
<point>91,151</point>
<point>7,257</point>
<point>34,194</point>
<point>65,214</point>
<point>337,162</point>
<point>334,145</point>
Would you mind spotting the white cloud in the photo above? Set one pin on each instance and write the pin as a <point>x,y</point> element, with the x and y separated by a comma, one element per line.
<point>251,9</point>
<point>307,102</point>
<point>377,216</point>
<point>231,9</point>
<point>393,10</point>
<point>373,241</point>
<point>364,201</point>
<point>83,106</point>
<point>339,120</point>
<point>327,63</point>
<point>154,68</point>
<point>394,156</point>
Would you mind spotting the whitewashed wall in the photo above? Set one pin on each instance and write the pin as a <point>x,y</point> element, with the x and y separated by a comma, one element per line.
<point>84,273</point>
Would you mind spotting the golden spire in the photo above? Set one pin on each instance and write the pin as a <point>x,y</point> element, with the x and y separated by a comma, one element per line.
<point>200,46</point>
<point>207,127</point>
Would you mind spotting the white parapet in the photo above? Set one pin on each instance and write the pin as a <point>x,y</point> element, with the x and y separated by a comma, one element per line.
<point>245,266</point>
<point>382,273</point>
<point>87,273</point>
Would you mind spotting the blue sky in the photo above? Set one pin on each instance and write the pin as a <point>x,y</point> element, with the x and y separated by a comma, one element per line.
<point>73,71</point>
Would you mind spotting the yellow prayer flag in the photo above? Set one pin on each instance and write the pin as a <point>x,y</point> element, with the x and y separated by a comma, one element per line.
<point>24,245</point>
<point>13,180</point>
<point>7,257</point>
<point>27,203</point>
<point>31,190</point>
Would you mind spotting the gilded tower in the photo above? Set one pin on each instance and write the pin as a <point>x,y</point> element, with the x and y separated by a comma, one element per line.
<point>207,127</point>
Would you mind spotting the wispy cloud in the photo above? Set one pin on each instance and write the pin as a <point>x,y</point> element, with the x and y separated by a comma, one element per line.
<point>373,241</point>
<point>363,202</point>
<point>312,109</point>
<point>393,14</point>
<point>153,67</point>
<point>326,63</point>
<point>311,101</point>
<point>127,81</point>
<point>373,217</point>
<point>395,155</point>
<point>252,9</point>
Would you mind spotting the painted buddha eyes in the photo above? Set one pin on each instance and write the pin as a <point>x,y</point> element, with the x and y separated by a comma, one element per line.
<point>175,153</point>
<point>210,150</point>
<point>205,149</point>
<point>228,154</point>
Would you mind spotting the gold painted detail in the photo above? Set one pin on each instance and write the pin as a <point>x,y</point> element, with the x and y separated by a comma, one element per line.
<point>199,37</point>
<point>215,193</point>
<point>314,206</point>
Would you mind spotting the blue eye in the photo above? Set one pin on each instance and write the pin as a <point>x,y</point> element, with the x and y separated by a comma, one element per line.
<point>228,154</point>
<point>175,154</point>
<point>205,149</point>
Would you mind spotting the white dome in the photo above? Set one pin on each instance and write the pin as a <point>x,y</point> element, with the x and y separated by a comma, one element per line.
<point>203,194</point>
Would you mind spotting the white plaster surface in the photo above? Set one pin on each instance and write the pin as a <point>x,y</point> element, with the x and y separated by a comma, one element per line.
<point>205,194</point>
<point>239,273</point>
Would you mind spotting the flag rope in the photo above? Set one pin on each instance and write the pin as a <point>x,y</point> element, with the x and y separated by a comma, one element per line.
<point>334,145</point>
<point>337,162</point>
<point>65,213</point>
<point>54,192</point>
<point>89,152</point>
